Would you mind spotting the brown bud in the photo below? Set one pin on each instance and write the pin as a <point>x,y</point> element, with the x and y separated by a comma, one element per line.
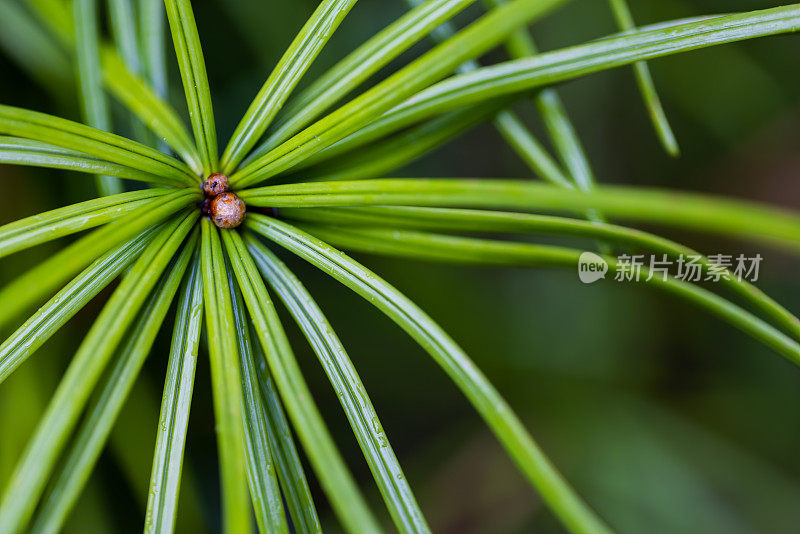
<point>227,210</point>
<point>215,184</point>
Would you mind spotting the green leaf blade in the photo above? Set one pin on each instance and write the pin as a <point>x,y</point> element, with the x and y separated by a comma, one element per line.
<point>510,126</point>
<point>49,274</point>
<point>65,304</point>
<point>153,45</point>
<point>529,149</point>
<point>647,86</point>
<point>102,412</point>
<point>18,151</point>
<point>571,510</point>
<point>344,378</point>
<point>195,80</point>
<point>358,66</point>
<point>692,211</point>
<point>290,471</point>
<point>226,383</point>
<point>336,480</point>
<point>124,31</point>
<point>97,143</point>
<point>283,79</point>
<point>151,109</point>
<point>264,489</point>
<point>165,478</point>
<point>58,17</point>
<point>549,68</point>
<point>44,227</point>
<point>398,151</point>
<point>30,475</point>
<point>90,79</point>
<point>478,38</point>
<point>503,222</point>
<point>467,250</point>
<point>559,127</point>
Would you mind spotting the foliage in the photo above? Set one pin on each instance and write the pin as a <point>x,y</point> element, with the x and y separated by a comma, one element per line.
<point>156,241</point>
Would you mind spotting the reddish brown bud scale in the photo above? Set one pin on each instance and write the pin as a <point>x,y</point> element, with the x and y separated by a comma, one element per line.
<point>224,208</point>
<point>215,184</point>
<point>227,210</point>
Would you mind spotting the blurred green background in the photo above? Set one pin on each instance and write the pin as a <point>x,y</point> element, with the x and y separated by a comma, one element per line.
<point>664,418</point>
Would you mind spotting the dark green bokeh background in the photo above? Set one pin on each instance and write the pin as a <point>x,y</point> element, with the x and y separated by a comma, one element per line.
<point>665,419</point>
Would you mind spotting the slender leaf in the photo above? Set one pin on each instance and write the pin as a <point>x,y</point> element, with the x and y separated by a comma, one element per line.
<point>124,30</point>
<point>46,276</point>
<point>510,126</point>
<point>284,452</point>
<point>152,32</point>
<point>478,38</point>
<point>529,149</point>
<point>264,489</point>
<point>555,491</point>
<point>145,100</point>
<point>226,383</point>
<point>18,151</point>
<point>647,87</point>
<point>123,80</point>
<point>30,475</point>
<point>458,220</point>
<point>437,247</point>
<point>358,66</point>
<point>441,247</point>
<point>90,80</point>
<point>104,409</point>
<point>569,63</point>
<point>44,227</point>
<point>165,479</point>
<point>66,303</point>
<point>339,486</point>
<point>344,378</point>
<point>400,150</point>
<point>153,46</point>
<point>564,138</point>
<point>103,145</point>
<point>287,462</point>
<point>154,112</point>
<point>195,81</point>
<point>671,208</point>
<point>554,115</point>
<point>283,79</point>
